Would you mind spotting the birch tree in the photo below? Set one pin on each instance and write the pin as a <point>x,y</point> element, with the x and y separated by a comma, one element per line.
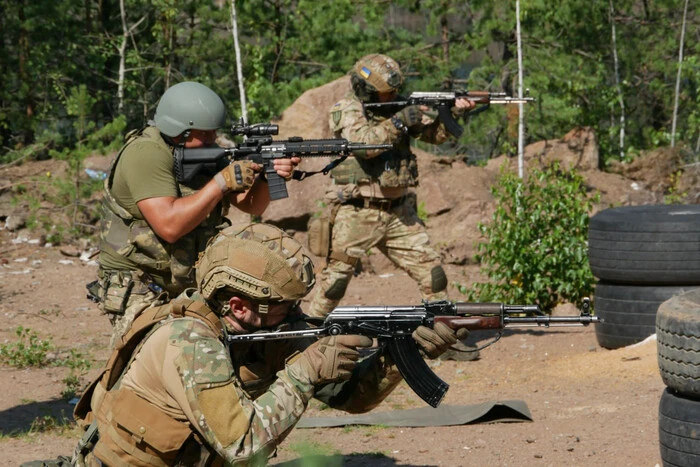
<point>678,77</point>
<point>617,80</point>
<point>239,63</point>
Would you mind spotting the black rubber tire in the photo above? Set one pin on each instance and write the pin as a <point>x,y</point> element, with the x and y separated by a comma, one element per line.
<point>679,430</point>
<point>654,245</point>
<point>629,311</point>
<point>678,343</point>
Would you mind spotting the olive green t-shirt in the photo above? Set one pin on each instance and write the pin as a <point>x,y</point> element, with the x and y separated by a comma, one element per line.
<point>144,170</point>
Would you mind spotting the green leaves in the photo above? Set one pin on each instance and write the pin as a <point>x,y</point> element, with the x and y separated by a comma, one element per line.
<point>536,245</point>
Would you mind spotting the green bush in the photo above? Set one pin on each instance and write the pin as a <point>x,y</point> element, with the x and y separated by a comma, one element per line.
<point>536,245</point>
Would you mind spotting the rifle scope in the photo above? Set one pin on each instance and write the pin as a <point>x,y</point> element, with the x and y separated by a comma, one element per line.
<point>259,129</point>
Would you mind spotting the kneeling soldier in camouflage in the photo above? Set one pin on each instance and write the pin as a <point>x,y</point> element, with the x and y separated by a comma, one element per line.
<point>175,393</point>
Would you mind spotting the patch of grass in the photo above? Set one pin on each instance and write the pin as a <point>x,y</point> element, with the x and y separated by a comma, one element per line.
<point>28,351</point>
<point>60,425</point>
<point>422,212</point>
<point>372,430</point>
<point>314,454</point>
<point>31,351</point>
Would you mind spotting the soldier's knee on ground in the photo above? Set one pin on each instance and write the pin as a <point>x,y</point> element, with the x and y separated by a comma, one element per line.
<point>438,279</point>
<point>337,289</point>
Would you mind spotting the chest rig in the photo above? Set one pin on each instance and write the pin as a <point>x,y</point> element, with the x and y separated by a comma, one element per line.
<point>131,239</point>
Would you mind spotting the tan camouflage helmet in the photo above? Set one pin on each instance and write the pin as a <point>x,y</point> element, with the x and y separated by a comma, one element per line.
<point>380,72</point>
<point>259,261</point>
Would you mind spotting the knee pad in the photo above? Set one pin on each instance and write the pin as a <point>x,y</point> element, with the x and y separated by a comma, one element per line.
<point>438,279</point>
<point>337,289</point>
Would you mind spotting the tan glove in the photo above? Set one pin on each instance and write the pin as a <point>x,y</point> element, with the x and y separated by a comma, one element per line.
<point>238,176</point>
<point>438,340</point>
<point>328,360</point>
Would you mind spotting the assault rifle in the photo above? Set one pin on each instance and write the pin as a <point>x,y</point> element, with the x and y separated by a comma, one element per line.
<point>393,326</point>
<point>443,101</point>
<point>260,148</point>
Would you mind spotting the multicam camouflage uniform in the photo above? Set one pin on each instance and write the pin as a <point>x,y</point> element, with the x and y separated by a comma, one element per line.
<point>186,398</point>
<point>137,268</point>
<point>377,207</point>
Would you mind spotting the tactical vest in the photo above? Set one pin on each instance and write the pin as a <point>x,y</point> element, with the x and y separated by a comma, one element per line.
<point>176,443</point>
<point>122,235</point>
<point>396,168</point>
<point>152,437</point>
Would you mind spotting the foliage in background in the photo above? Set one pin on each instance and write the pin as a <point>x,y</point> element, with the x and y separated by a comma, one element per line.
<point>535,248</point>
<point>290,46</point>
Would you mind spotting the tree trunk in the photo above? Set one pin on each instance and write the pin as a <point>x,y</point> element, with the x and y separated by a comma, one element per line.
<point>678,77</point>
<point>239,63</point>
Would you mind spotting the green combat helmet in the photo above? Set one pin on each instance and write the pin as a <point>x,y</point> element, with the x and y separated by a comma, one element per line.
<point>260,262</point>
<point>189,106</point>
<point>375,73</point>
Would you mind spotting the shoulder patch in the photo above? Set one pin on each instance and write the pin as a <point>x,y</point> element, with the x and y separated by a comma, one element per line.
<point>203,358</point>
<point>336,115</point>
<point>211,362</point>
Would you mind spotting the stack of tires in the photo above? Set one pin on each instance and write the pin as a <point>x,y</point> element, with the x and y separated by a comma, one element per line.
<point>647,260</point>
<point>678,348</point>
<point>642,256</point>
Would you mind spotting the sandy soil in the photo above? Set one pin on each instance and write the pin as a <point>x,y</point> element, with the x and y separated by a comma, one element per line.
<point>590,406</point>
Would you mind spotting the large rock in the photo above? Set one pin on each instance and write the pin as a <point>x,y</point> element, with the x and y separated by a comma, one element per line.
<point>578,150</point>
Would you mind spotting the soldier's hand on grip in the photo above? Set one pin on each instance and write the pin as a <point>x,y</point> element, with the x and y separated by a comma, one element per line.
<point>438,340</point>
<point>238,176</point>
<point>329,359</point>
<point>410,116</point>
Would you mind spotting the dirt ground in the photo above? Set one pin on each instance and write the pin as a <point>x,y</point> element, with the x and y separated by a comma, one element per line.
<point>590,406</point>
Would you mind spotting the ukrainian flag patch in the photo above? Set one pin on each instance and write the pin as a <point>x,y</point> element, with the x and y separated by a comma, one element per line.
<point>365,72</point>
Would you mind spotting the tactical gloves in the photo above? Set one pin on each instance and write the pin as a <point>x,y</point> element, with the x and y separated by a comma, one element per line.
<point>434,342</point>
<point>408,117</point>
<point>328,360</point>
<point>238,176</point>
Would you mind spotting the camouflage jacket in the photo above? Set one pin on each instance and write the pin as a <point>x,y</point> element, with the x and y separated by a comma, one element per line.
<point>394,168</point>
<point>184,393</point>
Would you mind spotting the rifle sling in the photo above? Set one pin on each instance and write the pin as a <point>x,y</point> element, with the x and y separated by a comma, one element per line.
<point>302,174</point>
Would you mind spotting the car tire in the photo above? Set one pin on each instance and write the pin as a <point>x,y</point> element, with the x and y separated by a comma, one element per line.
<point>628,312</point>
<point>678,342</point>
<point>679,430</point>
<point>646,245</point>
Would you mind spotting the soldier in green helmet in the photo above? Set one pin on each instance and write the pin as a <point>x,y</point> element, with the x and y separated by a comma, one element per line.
<point>177,393</point>
<point>154,228</point>
<point>371,202</point>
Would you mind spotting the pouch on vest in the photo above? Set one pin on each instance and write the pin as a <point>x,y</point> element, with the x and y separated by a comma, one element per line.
<point>117,296</point>
<point>134,425</point>
<point>319,238</point>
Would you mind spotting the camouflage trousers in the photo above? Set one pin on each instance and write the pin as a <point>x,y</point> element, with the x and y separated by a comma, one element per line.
<point>124,299</point>
<point>398,233</point>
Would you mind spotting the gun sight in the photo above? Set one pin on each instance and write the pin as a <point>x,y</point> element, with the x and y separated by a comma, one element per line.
<point>260,129</point>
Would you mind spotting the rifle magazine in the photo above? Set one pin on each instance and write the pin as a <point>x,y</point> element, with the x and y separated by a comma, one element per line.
<point>418,375</point>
